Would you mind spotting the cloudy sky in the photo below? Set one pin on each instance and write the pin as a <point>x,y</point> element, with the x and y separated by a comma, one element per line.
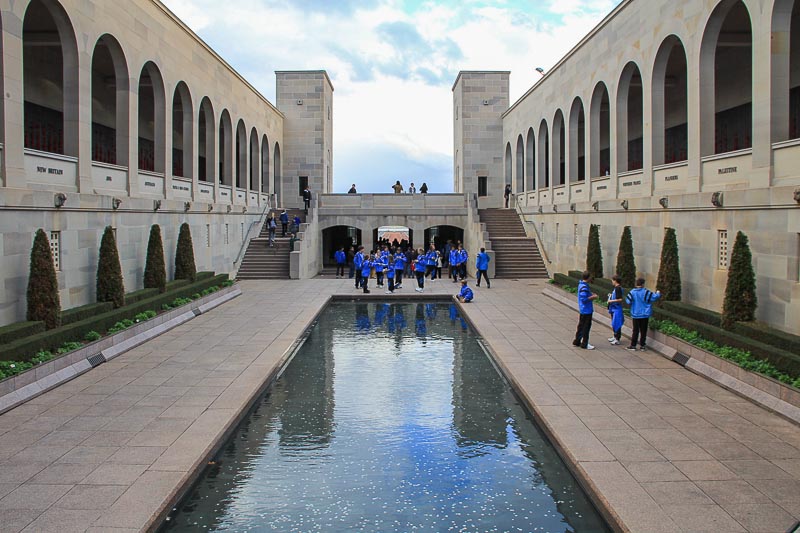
<point>392,64</point>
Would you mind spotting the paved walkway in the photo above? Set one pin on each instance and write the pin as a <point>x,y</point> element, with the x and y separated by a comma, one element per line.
<point>667,450</point>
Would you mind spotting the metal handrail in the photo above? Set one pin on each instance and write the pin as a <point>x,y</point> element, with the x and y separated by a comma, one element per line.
<point>246,242</point>
<point>536,232</point>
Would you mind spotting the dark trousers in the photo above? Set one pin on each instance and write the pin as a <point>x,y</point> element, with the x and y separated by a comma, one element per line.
<point>284,225</point>
<point>430,270</point>
<point>639,331</point>
<point>485,276</point>
<point>398,276</point>
<point>582,334</point>
<point>454,270</point>
<point>391,284</point>
<point>365,282</point>
<point>352,271</point>
<point>379,276</point>
<point>421,279</point>
<point>462,271</point>
<point>358,278</point>
<point>340,269</point>
<point>306,205</point>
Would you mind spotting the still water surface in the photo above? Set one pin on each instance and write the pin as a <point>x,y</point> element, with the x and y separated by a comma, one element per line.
<point>390,418</point>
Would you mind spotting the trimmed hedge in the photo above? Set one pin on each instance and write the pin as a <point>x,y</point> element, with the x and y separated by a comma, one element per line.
<point>692,311</point>
<point>783,360</point>
<point>141,294</point>
<point>17,330</point>
<point>76,314</point>
<point>25,348</point>
<point>602,283</point>
<point>768,335</point>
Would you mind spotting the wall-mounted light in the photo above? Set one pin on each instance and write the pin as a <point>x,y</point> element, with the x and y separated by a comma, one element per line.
<point>717,199</point>
<point>596,206</point>
<point>540,70</point>
<point>572,207</point>
<point>555,208</point>
<point>664,201</point>
<point>540,209</point>
<point>59,199</point>
<point>244,209</point>
<point>115,203</point>
<point>229,209</point>
<point>624,204</point>
<point>210,207</point>
<point>797,195</point>
<point>187,206</point>
<point>156,205</point>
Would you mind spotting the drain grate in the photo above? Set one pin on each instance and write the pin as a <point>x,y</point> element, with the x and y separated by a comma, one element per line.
<point>681,358</point>
<point>96,359</point>
<point>196,311</point>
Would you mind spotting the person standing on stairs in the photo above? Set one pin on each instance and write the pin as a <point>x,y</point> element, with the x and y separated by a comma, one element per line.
<point>306,199</point>
<point>271,227</point>
<point>507,194</point>
<point>284,222</point>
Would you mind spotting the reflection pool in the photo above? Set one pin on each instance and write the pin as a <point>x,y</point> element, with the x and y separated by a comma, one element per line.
<point>390,417</point>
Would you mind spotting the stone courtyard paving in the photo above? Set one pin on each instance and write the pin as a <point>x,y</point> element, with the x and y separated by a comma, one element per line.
<point>665,449</point>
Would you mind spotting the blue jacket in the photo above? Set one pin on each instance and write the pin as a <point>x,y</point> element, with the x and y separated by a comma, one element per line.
<point>358,259</point>
<point>379,264</point>
<point>462,257</point>
<point>284,218</point>
<point>585,305</point>
<point>482,261</point>
<point>399,261</point>
<point>366,265</point>
<point>419,264</point>
<point>641,302</point>
<point>430,258</point>
<point>389,273</point>
<point>466,293</point>
<point>341,257</point>
<point>453,259</point>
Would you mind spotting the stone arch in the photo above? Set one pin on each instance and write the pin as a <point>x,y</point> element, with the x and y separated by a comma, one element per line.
<point>110,96</point>
<point>152,119</point>
<point>205,141</point>
<point>225,149</point>
<point>182,131</point>
<point>785,68</point>
<point>630,119</point>
<point>558,148</point>
<point>439,234</point>
<point>544,155</point>
<point>241,154</point>
<point>508,163</point>
<point>50,80</point>
<point>530,161</point>
<point>577,141</point>
<point>277,174</point>
<point>726,80</point>
<point>519,184</point>
<point>670,103</point>
<point>600,131</point>
<point>265,188</point>
<point>254,160</point>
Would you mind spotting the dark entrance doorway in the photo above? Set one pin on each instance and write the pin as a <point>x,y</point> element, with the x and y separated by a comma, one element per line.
<point>338,237</point>
<point>439,235</point>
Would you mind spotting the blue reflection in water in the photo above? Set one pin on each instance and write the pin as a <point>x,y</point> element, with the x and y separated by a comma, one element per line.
<point>375,427</point>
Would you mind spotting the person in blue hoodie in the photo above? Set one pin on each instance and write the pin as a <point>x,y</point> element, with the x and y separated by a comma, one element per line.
<point>399,267</point>
<point>453,262</point>
<point>430,257</point>
<point>463,256</point>
<point>341,261</point>
<point>482,265</point>
<point>358,259</point>
<point>586,309</point>
<point>390,272</point>
<point>615,309</point>
<point>379,263</point>
<point>465,296</point>
<point>641,302</point>
<point>284,222</point>
<point>420,266</point>
<point>366,266</point>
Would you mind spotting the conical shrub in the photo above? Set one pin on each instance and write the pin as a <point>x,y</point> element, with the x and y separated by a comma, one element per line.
<point>626,265</point>
<point>155,271</point>
<point>43,302</point>
<point>184,255</point>
<point>740,292</point>
<point>594,256</point>
<point>669,272</point>
<point>110,285</point>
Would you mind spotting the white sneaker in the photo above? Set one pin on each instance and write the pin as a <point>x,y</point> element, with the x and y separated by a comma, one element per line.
<point>387,292</point>
<point>611,340</point>
<point>418,289</point>
<point>589,347</point>
<point>614,342</point>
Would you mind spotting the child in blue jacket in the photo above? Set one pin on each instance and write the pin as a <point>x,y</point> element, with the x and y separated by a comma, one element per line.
<point>366,266</point>
<point>358,259</point>
<point>482,265</point>
<point>641,302</point>
<point>379,264</point>
<point>465,296</point>
<point>615,309</point>
<point>420,266</point>
<point>399,267</point>
<point>390,273</point>
<point>585,308</point>
<point>341,261</point>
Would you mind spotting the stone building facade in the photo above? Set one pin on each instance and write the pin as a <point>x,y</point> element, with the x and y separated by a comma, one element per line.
<point>670,113</point>
<point>116,113</point>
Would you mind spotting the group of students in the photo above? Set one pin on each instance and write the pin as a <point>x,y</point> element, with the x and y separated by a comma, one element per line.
<point>391,265</point>
<point>640,300</point>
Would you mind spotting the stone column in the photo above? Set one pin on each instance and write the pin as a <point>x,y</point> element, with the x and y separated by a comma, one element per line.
<point>761,175</point>
<point>13,101</point>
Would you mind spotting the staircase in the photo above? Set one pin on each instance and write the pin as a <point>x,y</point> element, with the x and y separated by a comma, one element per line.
<point>262,262</point>
<point>516,255</point>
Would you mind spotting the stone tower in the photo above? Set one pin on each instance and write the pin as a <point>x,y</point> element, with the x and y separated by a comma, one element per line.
<point>479,100</point>
<point>306,100</point>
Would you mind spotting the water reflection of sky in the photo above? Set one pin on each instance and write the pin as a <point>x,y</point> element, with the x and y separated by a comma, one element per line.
<point>390,418</point>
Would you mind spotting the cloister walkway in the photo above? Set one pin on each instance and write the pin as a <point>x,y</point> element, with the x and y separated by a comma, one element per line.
<point>665,449</point>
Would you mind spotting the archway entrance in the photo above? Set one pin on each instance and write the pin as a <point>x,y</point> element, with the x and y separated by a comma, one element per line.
<point>397,236</point>
<point>338,237</point>
<point>439,235</point>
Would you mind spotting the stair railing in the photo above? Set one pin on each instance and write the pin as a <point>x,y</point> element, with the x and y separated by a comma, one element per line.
<point>535,231</point>
<point>246,242</point>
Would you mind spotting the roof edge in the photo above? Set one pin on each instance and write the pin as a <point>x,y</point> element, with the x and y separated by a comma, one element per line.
<point>460,72</point>
<point>323,72</point>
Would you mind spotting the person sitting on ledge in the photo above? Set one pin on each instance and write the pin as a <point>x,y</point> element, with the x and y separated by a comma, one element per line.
<point>466,295</point>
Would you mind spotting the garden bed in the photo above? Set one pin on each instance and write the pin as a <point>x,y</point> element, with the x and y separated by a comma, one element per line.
<point>45,375</point>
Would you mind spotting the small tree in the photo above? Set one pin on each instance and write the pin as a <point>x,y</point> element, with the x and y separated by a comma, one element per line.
<point>594,257</point>
<point>740,292</point>
<point>184,255</point>
<point>669,273</point>
<point>43,302</point>
<point>626,265</point>
<point>110,285</point>
<point>155,271</point>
